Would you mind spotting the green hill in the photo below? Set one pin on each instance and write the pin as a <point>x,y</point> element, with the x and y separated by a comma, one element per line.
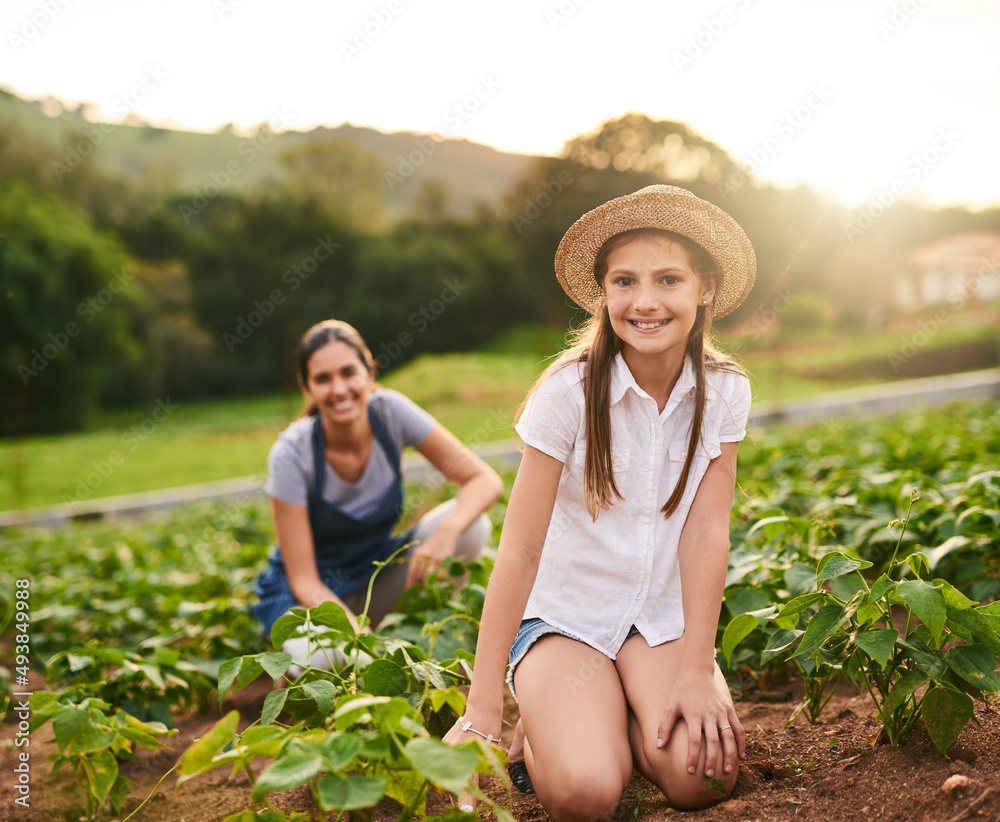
<point>186,160</point>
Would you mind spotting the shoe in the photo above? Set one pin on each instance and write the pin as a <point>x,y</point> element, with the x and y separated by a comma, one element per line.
<point>518,772</point>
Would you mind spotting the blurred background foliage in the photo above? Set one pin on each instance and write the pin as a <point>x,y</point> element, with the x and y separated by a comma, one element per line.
<point>430,245</point>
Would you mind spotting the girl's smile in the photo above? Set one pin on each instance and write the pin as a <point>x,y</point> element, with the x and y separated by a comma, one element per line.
<point>652,294</point>
<point>338,383</point>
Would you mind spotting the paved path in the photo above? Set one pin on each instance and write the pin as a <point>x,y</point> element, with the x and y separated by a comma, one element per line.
<point>888,398</point>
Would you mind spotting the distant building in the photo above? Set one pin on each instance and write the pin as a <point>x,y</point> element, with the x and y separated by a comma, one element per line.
<point>960,270</point>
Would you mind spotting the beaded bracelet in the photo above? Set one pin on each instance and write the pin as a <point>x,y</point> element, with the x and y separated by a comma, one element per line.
<point>467,726</point>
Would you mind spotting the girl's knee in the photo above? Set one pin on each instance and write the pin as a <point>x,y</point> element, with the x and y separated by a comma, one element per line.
<point>668,768</point>
<point>584,796</point>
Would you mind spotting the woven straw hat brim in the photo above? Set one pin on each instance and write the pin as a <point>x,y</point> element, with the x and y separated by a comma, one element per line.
<point>665,207</point>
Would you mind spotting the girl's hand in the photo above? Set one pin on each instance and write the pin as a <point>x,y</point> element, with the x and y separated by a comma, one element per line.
<point>430,553</point>
<point>703,701</point>
<point>458,734</point>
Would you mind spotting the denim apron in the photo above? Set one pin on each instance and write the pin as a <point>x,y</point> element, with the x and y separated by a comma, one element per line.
<point>345,545</point>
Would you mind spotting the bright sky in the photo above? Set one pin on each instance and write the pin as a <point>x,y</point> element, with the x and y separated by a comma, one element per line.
<point>852,96</point>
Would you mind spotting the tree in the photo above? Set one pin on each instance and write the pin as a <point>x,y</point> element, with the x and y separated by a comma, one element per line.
<point>66,291</point>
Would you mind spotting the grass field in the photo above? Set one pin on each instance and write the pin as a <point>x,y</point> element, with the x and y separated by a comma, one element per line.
<point>475,395</point>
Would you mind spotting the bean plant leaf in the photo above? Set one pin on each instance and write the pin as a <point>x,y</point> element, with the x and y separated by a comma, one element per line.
<point>331,615</point>
<point>837,564</point>
<point>274,702</point>
<point>339,751</point>
<point>385,678</point>
<point>102,771</point>
<point>902,690</point>
<point>288,772</point>
<point>276,664</point>
<point>799,578</point>
<point>820,628</point>
<point>976,665</point>
<point>323,692</point>
<point>974,628</point>
<point>927,660</point>
<point>880,587</point>
<point>945,712</point>
<point>445,766</point>
<point>744,600</point>
<point>919,565</point>
<point>349,793</point>
<point>119,792</point>
<point>736,631</point>
<point>878,644</point>
<point>801,603</point>
<point>228,672</point>
<point>926,601</point>
<point>778,642</point>
<point>402,784</point>
<point>198,758</point>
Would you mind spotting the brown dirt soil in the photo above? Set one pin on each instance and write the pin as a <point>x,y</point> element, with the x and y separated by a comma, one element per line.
<point>841,776</point>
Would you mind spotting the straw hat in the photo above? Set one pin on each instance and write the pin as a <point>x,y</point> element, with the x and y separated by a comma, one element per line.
<point>670,208</point>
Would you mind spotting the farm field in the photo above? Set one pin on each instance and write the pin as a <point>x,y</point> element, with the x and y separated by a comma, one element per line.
<point>864,570</point>
<point>180,442</point>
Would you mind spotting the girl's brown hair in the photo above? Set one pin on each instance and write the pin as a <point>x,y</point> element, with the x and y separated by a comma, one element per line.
<point>314,339</point>
<point>597,345</point>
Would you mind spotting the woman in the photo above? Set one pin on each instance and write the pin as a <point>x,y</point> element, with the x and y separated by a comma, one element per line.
<point>337,491</point>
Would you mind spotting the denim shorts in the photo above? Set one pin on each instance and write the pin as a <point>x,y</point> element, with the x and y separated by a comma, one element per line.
<point>529,632</point>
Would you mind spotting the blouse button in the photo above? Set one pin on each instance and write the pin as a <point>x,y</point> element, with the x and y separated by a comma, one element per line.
<point>614,462</point>
<point>638,596</point>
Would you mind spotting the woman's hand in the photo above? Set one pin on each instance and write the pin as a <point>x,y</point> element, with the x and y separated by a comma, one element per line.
<point>703,701</point>
<point>431,553</point>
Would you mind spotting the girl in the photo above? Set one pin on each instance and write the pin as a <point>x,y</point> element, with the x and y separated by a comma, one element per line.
<point>337,492</point>
<point>611,566</point>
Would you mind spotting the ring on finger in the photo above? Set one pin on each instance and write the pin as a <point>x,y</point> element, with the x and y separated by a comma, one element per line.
<point>725,728</point>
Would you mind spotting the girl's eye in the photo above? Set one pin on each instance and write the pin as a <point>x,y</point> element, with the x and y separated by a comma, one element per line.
<point>623,281</point>
<point>671,279</point>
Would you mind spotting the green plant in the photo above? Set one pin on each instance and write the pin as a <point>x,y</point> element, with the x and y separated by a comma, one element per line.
<point>943,656</point>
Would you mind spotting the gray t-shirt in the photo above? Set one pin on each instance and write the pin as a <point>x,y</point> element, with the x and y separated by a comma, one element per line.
<point>290,463</point>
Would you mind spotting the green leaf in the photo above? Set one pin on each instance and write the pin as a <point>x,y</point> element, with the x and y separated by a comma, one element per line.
<point>736,631</point>
<point>744,600</point>
<point>288,772</point>
<point>799,578</point>
<point>976,665</point>
<point>778,642</point>
<point>445,766</point>
<point>880,587</point>
<point>276,664</point>
<point>323,692</point>
<point>348,793</point>
<point>273,704</point>
<point>102,771</point>
<point>331,615</point>
<point>800,604</point>
<point>402,784</point>
<point>119,792</point>
<point>878,644</point>
<point>198,758</point>
<point>351,709</point>
<point>837,564</point>
<point>228,671</point>
<point>902,689</point>
<point>919,565</point>
<point>286,626</point>
<point>926,601</point>
<point>974,628</point>
<point>385,678</point>
<point>452,697</point>
<point>79,731</point>
<point>945,713</point>
<point>339,750</point>
<point>67,725</point>
<point>820,628</point>
<point>931,662</point>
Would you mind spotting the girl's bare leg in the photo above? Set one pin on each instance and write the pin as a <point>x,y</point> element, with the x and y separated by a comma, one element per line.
<point>647,676</point>
<point>576,729</point>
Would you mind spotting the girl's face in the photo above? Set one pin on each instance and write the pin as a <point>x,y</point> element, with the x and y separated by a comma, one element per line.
<point>652,293</point>
<point>338,383</point>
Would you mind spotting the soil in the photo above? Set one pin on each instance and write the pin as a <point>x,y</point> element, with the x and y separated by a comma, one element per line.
<point>829,772</point>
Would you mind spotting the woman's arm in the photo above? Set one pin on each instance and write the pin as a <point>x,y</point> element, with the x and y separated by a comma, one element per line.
<point>298,552</point>
<point>479,486</point>
<point>704,559</point>
<point>525,526</point>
